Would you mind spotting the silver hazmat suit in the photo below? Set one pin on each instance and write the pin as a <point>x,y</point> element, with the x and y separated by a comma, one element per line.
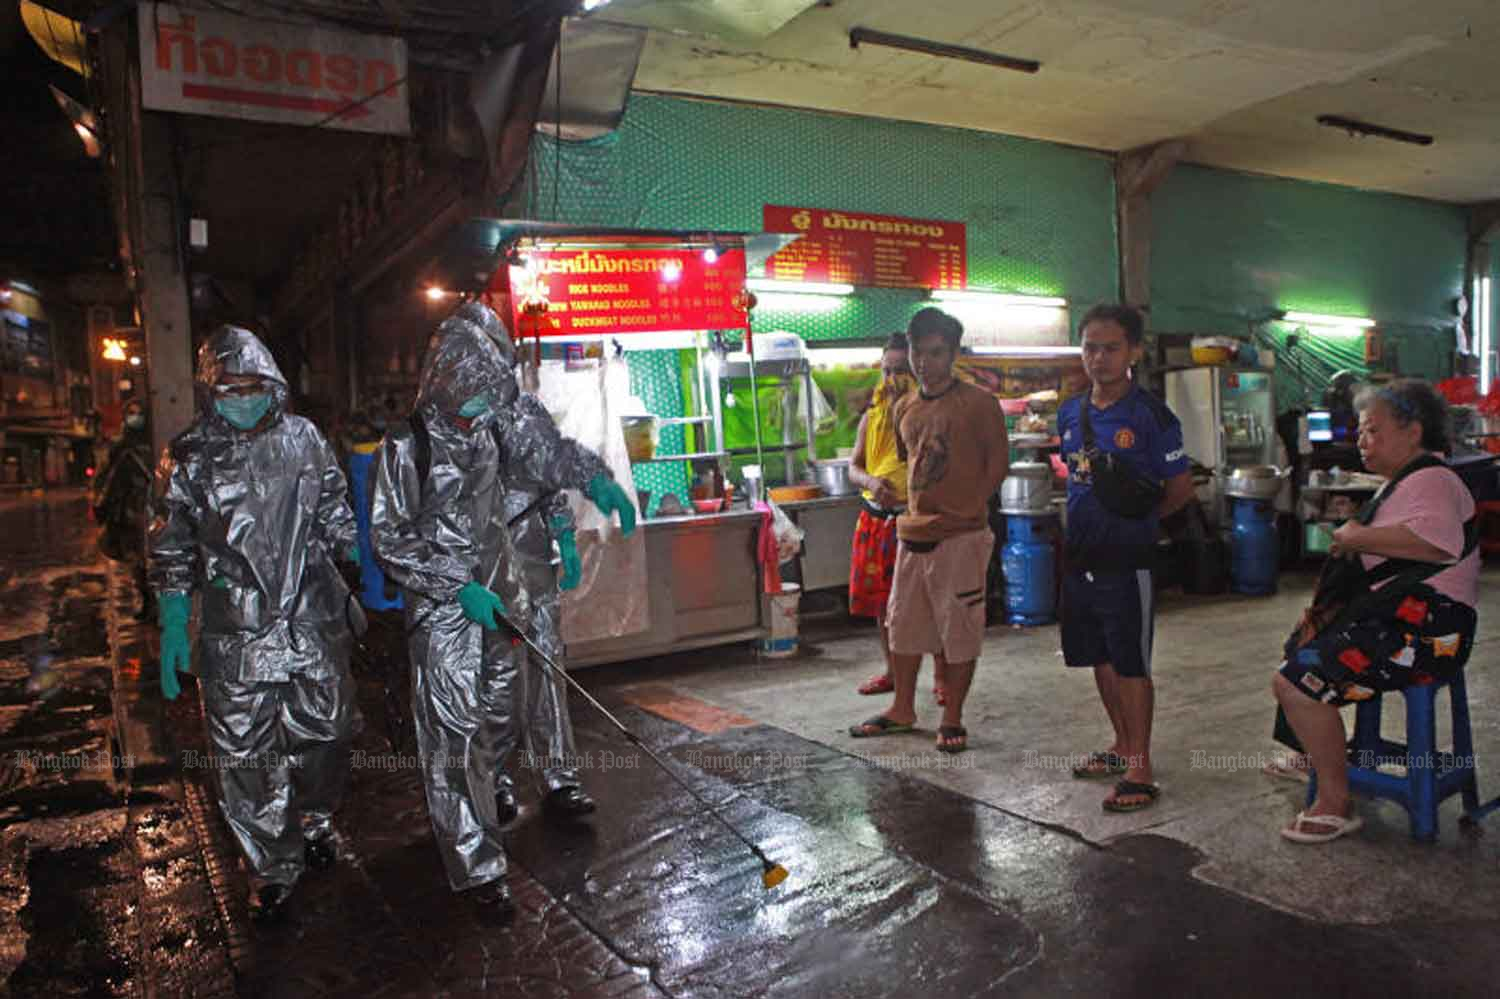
<point>254,521</point>
<point>538,464</point>
<point>434,535</point>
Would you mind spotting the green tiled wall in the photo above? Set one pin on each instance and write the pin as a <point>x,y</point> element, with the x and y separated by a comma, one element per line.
<point>1040,217</point>
<point>1228,248</point>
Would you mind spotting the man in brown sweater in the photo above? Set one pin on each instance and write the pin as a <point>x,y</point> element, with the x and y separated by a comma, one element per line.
<point>952,436</point>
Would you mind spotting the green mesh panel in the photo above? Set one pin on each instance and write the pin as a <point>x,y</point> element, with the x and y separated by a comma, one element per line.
<point>1226,248</point>
<point>655,376</point>
<point>1040,216</point>
<point>1229,248</point>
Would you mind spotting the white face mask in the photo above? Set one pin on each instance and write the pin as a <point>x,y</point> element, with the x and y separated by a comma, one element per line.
<point>135,421</point>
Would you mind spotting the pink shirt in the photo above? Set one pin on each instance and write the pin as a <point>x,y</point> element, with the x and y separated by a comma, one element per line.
<point>1433,504</point>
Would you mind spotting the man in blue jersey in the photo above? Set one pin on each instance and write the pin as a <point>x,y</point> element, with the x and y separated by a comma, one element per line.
<point>1126,470</point>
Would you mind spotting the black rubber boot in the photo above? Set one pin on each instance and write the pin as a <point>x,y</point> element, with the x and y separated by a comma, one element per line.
<point>268,905</point>
<point>492,903</point>
<point>568,803</point>
<point>321,852</point>
<point>506,807</point>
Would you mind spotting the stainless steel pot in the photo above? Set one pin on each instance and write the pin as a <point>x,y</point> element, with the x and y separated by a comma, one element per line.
<point>833,476</point>
<point>1261,482</point>
<point>1027,489</point>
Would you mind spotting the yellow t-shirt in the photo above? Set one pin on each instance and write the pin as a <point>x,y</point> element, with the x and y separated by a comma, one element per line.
<point>881,457</point>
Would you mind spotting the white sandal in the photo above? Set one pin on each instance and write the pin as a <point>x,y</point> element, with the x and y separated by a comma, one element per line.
<point>1284,769</point>
<point>1337,825</point>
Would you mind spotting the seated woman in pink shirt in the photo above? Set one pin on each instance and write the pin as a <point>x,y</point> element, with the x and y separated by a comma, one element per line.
<point>1407,618</point>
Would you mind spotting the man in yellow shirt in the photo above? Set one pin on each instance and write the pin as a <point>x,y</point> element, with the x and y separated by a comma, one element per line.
<point>880,471</point>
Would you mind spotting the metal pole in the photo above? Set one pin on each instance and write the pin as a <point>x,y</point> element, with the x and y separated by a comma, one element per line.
<point>760,458</point>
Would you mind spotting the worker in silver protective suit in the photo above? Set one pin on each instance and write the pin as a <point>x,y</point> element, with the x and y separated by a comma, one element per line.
<point>439,529</point>
<point>538,463</point>
<point>249,509</point>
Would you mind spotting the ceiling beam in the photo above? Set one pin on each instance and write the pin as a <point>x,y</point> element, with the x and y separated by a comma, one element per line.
<point>1141,170</point>
<point>1138,173</point>
<point>1484,218</point>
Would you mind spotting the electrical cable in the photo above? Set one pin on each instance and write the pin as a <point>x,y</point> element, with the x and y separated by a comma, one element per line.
<point>557,135</point>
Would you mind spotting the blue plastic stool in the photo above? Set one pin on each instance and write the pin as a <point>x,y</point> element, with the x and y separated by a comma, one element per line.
<point>1431,776</point>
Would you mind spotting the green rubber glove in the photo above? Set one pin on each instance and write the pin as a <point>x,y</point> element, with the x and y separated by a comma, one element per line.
<point>351,554</point>
<point>481,605</point>
<point>173,611</point>
<point>607,495</point>
<point>572,565</point>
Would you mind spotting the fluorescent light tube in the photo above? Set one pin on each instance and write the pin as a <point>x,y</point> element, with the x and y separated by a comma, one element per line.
<point>1319,319</point>
<point>799,287</point>
<point>998,298</point>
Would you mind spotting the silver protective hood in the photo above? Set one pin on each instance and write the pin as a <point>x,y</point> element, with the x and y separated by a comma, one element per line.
<point>464,361</point>
<point>488,320</point>
<point>234,350</point>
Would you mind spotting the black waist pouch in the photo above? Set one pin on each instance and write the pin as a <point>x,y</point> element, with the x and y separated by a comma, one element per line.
<point>1121,489</point>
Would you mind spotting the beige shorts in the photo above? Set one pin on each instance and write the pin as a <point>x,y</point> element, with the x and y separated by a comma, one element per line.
<point>937,598</point>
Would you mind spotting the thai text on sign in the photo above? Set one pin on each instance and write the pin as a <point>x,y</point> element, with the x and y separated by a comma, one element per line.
<point>882,251</point>
<point>207,62</point>
<point>591,292</point>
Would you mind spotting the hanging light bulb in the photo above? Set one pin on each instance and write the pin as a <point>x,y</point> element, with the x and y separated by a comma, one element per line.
<point>84,122</point>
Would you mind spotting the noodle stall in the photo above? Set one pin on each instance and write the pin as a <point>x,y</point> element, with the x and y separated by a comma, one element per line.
<point>631,339</point>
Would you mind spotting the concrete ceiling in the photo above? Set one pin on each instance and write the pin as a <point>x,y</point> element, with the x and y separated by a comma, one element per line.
<point>1242,80</point>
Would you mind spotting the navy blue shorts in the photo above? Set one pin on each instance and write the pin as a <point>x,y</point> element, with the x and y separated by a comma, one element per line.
<point>1108,617</point>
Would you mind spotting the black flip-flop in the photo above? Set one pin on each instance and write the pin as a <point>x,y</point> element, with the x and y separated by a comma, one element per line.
<point>1126,788</point>
<point>952,732</point>
<point>882,726</point>
<point>1114,766</point>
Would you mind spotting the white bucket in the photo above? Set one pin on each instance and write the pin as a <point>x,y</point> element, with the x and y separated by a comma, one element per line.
<point>780,640</point>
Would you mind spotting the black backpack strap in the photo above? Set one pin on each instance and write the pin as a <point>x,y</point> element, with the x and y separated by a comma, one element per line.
<point>1083,419</point>
<point>422,447</point>
<point>1367,512</point>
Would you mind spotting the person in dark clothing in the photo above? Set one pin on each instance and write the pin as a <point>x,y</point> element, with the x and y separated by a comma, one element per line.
<point>1114,430</point>
<point>121,492</point>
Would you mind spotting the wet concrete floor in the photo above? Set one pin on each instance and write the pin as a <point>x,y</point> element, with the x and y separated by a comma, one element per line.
<point>898,885</point>
<point>66,866</point>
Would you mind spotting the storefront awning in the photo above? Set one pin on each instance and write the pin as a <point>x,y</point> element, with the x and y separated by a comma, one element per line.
<point>58,36</point>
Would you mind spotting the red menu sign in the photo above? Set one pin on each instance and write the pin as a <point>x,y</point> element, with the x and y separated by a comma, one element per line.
<point>589,292</point>
<point>883,251</point>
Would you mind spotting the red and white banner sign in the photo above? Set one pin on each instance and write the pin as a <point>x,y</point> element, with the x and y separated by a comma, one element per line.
<point>880,251</point>
<point>592,292</point>
<point>207,62</point>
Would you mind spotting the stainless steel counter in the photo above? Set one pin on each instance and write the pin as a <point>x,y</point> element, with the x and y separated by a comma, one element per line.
<point>828,524</point>
<point>822,502</point>
<point>704,579</point>
<point>704,588</point>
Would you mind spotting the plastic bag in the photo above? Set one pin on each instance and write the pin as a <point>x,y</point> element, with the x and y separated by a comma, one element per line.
<point>612,599</point>
<point>788,535</point>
